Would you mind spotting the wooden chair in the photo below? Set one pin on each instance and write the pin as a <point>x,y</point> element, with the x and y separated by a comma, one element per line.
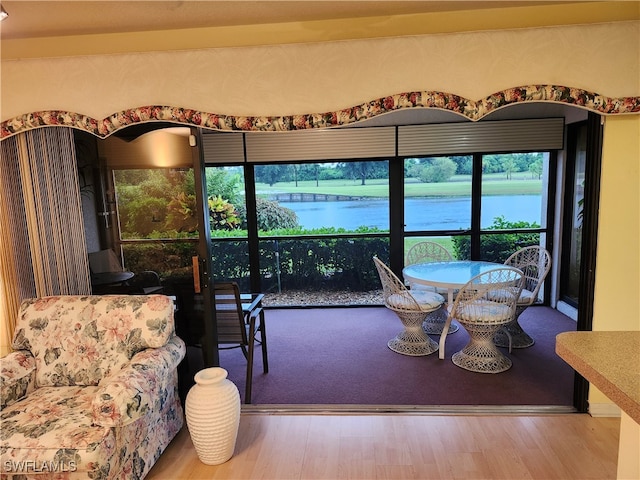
<point>427,252</point>
<point>411,308</point>
<point>238,328</point>
<point>483,306</point>
<point>535,263</point>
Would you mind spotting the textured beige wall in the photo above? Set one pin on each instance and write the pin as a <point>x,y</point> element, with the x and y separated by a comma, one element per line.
<point>617,289</point>
<point>616,298</point>
<point>320,77</point>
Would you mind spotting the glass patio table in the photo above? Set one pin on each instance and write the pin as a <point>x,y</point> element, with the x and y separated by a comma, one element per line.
<point>110,278</point>
<point>450,275</point>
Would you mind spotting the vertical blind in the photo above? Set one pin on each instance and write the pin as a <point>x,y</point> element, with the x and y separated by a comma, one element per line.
<point>44,249</point>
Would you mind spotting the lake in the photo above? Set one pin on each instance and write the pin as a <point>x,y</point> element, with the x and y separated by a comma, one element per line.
<point>421,213</point>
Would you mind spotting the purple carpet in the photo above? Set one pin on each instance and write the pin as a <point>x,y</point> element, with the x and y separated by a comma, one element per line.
<point>340,356</point>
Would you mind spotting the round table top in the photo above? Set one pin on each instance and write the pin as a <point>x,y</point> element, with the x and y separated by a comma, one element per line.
<point>452,274</point>
<point>110,278</point>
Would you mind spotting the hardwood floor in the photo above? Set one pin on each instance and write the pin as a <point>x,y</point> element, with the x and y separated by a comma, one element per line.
<point>405,446</point>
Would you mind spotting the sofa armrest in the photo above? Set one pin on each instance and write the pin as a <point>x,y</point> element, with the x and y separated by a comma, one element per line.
<point>131,392</point>
<point>17,377</point>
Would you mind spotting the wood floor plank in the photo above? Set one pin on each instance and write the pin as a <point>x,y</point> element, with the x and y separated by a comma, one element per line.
<point>321,449</point>
<point>396,446</point>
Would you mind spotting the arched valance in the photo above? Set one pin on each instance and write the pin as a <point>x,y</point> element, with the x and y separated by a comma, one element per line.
<point>469,109</point>
<point>328,84</point>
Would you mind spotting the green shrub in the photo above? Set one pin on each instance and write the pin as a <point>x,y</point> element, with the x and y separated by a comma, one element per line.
<point>439,169</point>
<point>297,263</point>
<point>222,214</point>
<point>498,247</point>
<point>170,260</point>
<point>322,264</point>
<point>271,215</point>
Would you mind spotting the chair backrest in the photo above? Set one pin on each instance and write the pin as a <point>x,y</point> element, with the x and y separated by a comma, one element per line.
<point>489,297</point>
<point>229,315</point>
<point>104,261</point>
<point>392,286</point>
<point>425,252</point>
<point>535,263</point>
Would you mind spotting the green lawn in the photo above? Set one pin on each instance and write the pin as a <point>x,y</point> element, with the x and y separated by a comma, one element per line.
<point>492,185</point>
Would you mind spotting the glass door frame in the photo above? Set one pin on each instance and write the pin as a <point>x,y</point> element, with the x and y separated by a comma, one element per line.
<point>210,351</point>
<point>573,149</point>
<point>588,253</point>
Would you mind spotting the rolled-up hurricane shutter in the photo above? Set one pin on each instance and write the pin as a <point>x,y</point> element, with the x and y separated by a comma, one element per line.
<point>384,142</point>
<point>499,136</point>
<point>223,147</point>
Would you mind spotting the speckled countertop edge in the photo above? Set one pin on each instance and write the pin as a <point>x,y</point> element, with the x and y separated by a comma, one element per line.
<point>610,361</point>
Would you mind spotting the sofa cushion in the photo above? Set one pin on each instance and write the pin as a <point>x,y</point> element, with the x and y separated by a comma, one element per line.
<point>17,375</point>
<point>484,311</point>
<point>427,300</point>
<point>58,417</point>
<point>78,340</point>
<point>406,300</point>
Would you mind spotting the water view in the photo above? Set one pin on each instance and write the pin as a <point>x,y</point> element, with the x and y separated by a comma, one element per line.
<point>421,213</point>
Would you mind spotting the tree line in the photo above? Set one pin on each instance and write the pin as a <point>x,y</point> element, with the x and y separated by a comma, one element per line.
<point>428,170</point>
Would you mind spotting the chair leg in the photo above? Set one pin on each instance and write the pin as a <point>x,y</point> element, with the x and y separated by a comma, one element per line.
<point>252,341</point>
<point>480,354</point>
<point>412,341</point>
<point>247,388</point>
<point>263,341</point>
<point>244,351</point>
<point>434,323</point>
<point>512,334</point>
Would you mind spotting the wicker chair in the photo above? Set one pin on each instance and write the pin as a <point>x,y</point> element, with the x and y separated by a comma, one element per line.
<point>484,305</point>
<point>427,252</point>
<point>535,263</point>
<point>411,308</point>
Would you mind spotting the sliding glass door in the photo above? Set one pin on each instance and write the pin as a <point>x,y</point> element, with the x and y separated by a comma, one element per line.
<point>574,214</point>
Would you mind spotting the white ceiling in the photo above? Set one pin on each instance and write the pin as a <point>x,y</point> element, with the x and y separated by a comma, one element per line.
<point>50,18</point>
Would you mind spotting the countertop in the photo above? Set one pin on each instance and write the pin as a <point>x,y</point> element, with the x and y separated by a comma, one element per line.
<point>610,361</point>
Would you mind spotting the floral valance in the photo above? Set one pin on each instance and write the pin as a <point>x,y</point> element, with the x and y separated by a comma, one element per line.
<point>471,109</point>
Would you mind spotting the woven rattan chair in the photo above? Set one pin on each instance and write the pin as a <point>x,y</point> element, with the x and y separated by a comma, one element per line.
<point>239,329</point>
<point>427,252</point>
<point>411,308</point>
<point>423,252</point>
<point>535,263</point>
<point>482,312</point>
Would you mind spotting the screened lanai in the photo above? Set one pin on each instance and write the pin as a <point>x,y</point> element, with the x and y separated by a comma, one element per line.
<point>348,194</point>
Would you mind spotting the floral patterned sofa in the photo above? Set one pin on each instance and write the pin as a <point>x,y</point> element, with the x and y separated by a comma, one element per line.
<point>92,388</point>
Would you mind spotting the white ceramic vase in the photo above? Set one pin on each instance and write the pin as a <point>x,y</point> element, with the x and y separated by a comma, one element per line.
<point>213,415</point>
